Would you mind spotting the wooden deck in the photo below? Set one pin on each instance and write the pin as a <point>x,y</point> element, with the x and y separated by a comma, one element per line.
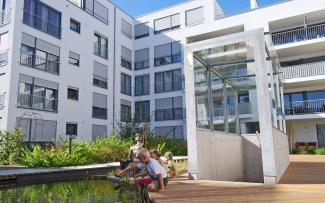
<point>304,181</point>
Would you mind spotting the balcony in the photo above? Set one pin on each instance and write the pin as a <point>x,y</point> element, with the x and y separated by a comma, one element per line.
<point>39,23</point>
<point>5,17</point>
<point>169,114</point>
<point>299,34</point>
<point>305,107</point>
<point>40,63</point>
<point>243,108</point>
<point>304,70</point>
<point>37,102</point>
<point>3,57</point>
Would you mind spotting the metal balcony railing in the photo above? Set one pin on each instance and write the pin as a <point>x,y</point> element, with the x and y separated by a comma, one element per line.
<point>39,23</point>
<point>37,102</point>
<point>5,16</point>
<point>299,34</point>
<point>170,114</point>
<point>305,107</point>
<point>304,70</point>
<point>40,63</point>
<point>3,57</point>
<point>243,108</point>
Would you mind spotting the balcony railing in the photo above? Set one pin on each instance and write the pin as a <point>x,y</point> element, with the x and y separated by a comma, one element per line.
<point>304,70</point>
<point>168,86</point>
<point>39,23</point>
<point>5,16</point>
<point>2,101</point>
<point>300,34</point>
<point>100,50</point>
<point>243,108</point>
<point>3,57</point>
<point>40,63</point>
<point>169,114</point>
<point>305,107</point>
<point>37,102</point>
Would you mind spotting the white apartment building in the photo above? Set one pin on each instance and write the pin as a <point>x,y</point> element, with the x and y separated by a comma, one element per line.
<point>79,67</point>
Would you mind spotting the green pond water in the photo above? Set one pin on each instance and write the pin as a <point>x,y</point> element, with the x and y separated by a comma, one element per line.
<point>82,191</point>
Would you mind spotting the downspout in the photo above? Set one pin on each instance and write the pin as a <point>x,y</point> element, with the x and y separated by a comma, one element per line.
<point>114,67</point>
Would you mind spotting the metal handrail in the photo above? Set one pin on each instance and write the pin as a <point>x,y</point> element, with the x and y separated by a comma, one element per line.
<point>5,16</point>
<point>40,62</point>
<point>304,70</point>
<point>3,57</point>
<point>305,107</point>
<point>37,102</point>
<point>299,34</point>
<point>243,108</point>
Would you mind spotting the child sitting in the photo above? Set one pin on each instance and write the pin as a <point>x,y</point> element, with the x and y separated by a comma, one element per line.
<point>155,155</point>
<point>171,170</point>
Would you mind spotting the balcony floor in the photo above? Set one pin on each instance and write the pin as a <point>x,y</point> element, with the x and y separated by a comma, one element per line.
<point>304,181</point>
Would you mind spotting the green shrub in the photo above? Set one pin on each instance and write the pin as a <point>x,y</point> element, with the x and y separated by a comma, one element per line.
<point>320,151</point>
<point>12,147</point>
<point>177,147</point>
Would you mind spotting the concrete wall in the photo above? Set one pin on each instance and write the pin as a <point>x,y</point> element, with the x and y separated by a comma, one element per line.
<point>220,156</point>
<point>281,150</point>
<point>253,167</point>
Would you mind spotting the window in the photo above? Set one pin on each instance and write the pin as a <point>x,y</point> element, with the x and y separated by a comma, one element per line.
<point>141,59</point>
<point>141,30</point>
<point>126,29</point>
<point>71,129</point>
<point>168,53</point>
<point>142,85</point>
<point>74,58</point>
<point>100,46</point>
<point>100,75</point>
<point>74,25</point>
<point>42,17</point>
<point>40,54</point>
<point>36,93</point>
<point>142,111</point>
<point>194,16</point>
<point>94,8</point>
<point>171,132</point>
<point>168,81</point>
<point>125,113</point>
<point>126,58</point>
<point>125,84</point>
<point>73,94</point>
<point>99,106</point>
<point>4,48</point>
<point>169,109</point>
<point>167,23</point>
<point>98,131</point>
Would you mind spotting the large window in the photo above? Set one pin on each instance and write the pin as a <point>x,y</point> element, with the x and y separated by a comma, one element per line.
<point>42,17</point>
<point>40,54</point>
<point>125,112</point>
<point>37,94</point>
<point>142,85</point>
<point>125,84</point>
<point>168,53</point>
<point>169,109</point>
<point>94,8</point>
<point>141,59</point>
<point>171,132</point>
<point>167,23</point>
<point>99,106</point>
<point>142,111</point>
<point>168,81</point>
<point>126,29</point>
<point>4,46</point>
<point>126,58</point>
<point>100,75</point>
<point>141,30</point>
<point>101,46</point>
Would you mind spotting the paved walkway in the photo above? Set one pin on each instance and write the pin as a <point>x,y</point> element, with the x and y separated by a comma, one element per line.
<point>304,181</point>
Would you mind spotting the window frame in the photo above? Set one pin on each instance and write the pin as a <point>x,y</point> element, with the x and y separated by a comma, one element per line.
<point>74,128</point>
<point>78,25</point>
<point>76,98</point>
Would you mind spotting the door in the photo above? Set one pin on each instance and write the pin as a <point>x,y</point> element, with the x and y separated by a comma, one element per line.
<point>321,135</point>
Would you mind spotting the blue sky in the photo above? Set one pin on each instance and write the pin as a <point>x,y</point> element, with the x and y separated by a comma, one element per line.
<point>139,7</point>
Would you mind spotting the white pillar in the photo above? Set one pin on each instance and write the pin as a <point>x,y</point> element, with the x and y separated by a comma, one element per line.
<point>190,114</point>
<point>254,4</point>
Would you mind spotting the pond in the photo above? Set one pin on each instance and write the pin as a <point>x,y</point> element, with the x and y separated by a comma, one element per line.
<point>74,191</point>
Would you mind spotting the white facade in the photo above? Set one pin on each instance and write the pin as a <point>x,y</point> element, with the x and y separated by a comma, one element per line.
<point>188,22</point>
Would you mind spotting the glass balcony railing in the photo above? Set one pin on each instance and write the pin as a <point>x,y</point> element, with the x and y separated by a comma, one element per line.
<point>168,86</point>
<point>304,70</point>
<point>5,16</point>
<point>37,102</point>
<point>169,114</point>
<point>305,107</point>
<point>40,63</point>
<point>243,108</point>
<point>299,34</point>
